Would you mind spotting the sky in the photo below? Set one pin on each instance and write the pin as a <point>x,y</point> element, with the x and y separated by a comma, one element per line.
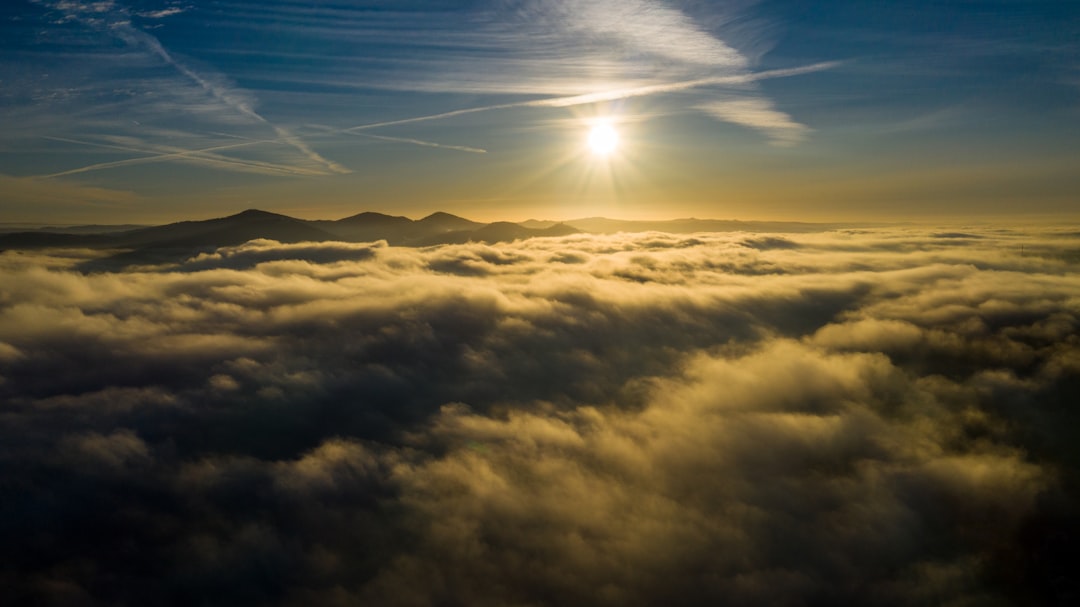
<point>119,111</point>
<point>882,416</point>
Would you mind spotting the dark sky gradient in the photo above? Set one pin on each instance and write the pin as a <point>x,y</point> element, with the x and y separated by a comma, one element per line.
<point>153,111</point>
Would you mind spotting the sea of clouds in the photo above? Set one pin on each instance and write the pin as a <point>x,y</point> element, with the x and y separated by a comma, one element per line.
<point>881,416</point>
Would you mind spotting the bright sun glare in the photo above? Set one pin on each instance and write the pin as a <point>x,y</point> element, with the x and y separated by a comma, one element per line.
<point>603,139</point>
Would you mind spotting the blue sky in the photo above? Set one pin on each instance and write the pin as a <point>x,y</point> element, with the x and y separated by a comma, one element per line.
<point>157,110</point>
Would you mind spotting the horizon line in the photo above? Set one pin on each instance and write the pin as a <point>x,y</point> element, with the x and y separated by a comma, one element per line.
<point>1029,218</point>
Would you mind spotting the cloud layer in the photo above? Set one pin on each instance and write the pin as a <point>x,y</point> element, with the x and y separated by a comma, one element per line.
<point>840,418</point>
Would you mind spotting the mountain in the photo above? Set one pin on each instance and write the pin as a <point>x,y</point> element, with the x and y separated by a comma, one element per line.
<point>537,224</point>
<point>224,231</point>
<point>445,222</point>
<point>396,230</point>
<point>174,241</point>
<point>41,239</point>
<point>79,229</point>
<point>369,227</point>
<point>499,231</point>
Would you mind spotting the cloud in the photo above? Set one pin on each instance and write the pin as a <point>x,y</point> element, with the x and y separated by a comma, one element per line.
<point>613,95</point>
<point>758,114</point>
<point>228,95</point>
<point>113,20</point>
<point>119,78</point>
<point>621,50</point>
<point>649,27</point>
<point>257,252</point>
<point>422,143</point>
<point>96,452</point>
<point>779,474</point>
<point>163,13</point>
<point>204,156</point>
<point>837,417</point>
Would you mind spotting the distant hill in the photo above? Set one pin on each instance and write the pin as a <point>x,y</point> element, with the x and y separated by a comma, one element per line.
<point>500,231</point>
<point>225,231</point>
<point>537,224</point>
<point>603,225</point>
<point>445,222</point>
<point>79,229</point>
<point>41,239</point>
<point>177,240</point>
<point>368,226</point>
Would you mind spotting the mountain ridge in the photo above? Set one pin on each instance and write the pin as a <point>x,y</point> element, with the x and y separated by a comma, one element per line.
<point>438,228</point>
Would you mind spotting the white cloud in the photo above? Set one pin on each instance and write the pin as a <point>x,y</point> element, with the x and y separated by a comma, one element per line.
<point>715,418</point>
<point>165,12</point>
<point>758,113</point>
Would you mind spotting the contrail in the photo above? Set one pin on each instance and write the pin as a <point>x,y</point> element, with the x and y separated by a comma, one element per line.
<point>430,144</point>
<point>230,100</point>
<point>678,86</point>
<point>421,142</point>
<point>450,114</point>
<point>200,155</point>
<point>124,30</point>
<point>572,100</point>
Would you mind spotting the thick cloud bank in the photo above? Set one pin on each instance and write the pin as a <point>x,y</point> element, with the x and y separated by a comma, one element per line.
<point>878,417</point>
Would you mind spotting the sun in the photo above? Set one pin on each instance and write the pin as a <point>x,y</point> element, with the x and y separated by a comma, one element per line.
<point>603,139</point>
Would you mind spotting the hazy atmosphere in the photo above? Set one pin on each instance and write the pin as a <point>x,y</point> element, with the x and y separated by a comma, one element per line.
<point>528,303</point>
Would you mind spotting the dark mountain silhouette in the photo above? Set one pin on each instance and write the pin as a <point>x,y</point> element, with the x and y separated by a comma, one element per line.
<point>176,241</point>
<point>78,229</point>
<point>40,239</point>
<point>445,222</point>
<point>500,231</point>
<point>537,224</point>
<point>224,231</point>
<point>369,226</point>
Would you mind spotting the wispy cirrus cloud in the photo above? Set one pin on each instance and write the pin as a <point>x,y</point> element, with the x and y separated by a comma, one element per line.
<point>602,31</point>
<point>203,156</point>
<point>164,12</point>
<point>758,113</point>
<point>113,19</point>
<point>569,52</point>
<point>637,26</point>
<point>422,143</point>
<point>237,102</point>
<point>640,91</point>
<point>543,53</point>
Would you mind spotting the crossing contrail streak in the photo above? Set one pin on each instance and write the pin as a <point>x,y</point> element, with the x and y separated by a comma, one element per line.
<point>421,142</point>
<point>202,155</point>
<point>572,100</point>
<point>222,94</point>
